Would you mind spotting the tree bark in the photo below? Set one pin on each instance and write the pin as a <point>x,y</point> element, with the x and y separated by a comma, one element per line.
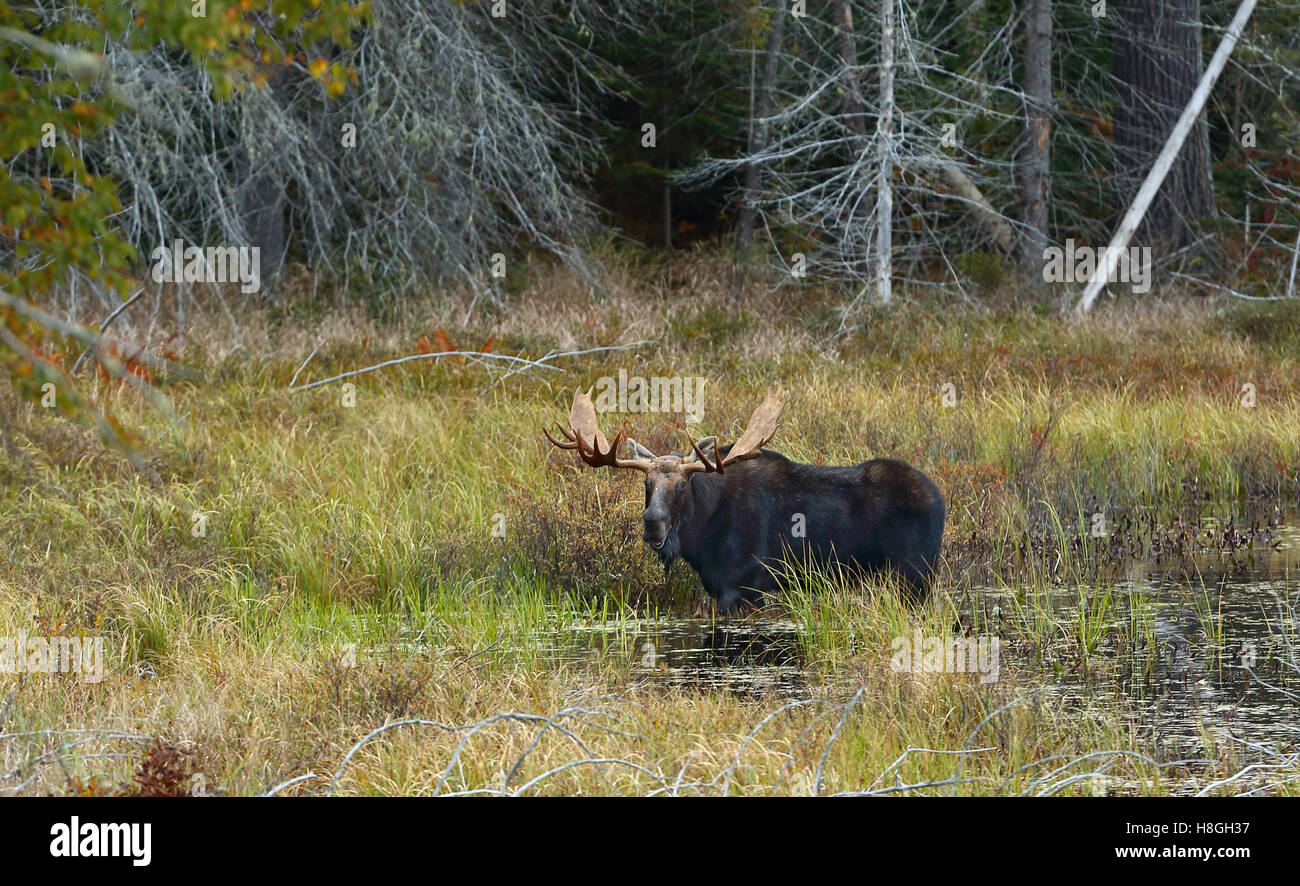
<point>668,212</point>
<point>1158,63</point>
<point>962,186</point>
<point>758,128</point>
<point>261,196</point>
<point>853,109</point>
<point>1035,158</point>
<point>885,170</point>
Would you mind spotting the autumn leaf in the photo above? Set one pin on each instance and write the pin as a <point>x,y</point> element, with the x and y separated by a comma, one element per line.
<point>444,343</point>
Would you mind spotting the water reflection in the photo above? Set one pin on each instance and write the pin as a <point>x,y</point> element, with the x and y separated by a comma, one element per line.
<point>750,658</point>
<point>1189,646</point>
<point>1207,652</point>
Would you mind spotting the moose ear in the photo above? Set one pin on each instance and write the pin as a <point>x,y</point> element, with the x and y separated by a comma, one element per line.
<point>639,451</point>
<point>707,445</point>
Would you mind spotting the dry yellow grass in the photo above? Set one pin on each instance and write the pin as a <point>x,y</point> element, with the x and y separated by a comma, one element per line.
<point>336,533</point>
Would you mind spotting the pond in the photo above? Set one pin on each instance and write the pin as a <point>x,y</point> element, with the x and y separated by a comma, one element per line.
<point>1192,636</point>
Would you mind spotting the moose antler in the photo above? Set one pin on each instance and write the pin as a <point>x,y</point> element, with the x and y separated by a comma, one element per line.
<point>759,430</point>
<point>583,434</point>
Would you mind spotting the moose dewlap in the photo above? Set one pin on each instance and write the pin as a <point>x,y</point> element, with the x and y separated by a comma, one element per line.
<point>746,518</point>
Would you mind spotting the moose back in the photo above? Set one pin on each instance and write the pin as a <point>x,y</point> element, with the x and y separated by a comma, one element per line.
<point>745,518</point>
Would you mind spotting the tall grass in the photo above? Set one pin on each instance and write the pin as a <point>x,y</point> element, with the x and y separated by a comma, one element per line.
<point>308,571</point>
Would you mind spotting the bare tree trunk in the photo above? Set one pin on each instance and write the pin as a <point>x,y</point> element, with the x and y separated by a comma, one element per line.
<point>961,185</point>
<point>957,179</point>
<point>1157,64</point>
<point>261,207</point>
<point>261,194</point>
<point>1035,159</point>
<point>1163,163</point>
<point>884,179</point>
<point>668,212</point>
<point>854,108</point>
<point>849,58</point>
<point>758,139</point>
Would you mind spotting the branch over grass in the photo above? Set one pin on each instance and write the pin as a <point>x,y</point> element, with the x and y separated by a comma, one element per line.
<point>480,357</point>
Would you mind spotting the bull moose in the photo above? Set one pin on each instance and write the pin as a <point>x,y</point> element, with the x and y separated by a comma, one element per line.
<point>735,512</point>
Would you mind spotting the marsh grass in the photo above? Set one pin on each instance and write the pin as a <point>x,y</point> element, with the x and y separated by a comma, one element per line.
<point>348,576</point>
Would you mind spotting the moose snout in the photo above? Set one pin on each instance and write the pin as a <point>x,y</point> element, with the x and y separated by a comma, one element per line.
<point>654,529</point>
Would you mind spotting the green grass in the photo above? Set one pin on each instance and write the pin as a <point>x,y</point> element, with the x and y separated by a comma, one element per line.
<point>348,574</point>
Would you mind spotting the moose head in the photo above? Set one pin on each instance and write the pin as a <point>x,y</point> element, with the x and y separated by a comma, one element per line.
<point>668,477</point>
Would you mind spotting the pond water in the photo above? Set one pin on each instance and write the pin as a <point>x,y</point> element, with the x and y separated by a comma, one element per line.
<point>757,657</point>
<point>1218,652</point>
<point>1184,642</point>
<point>1205,643</point>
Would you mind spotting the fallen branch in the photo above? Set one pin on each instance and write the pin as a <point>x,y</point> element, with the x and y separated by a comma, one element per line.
<point>103,326</point>
<point>970,740</point>
<point>990,218</point>
<point>878,792</point>
<point>477,356</point>
<point>67,743</point>
<point>1225,289</point>
<point>555,355</point>
<point>88,338</point>
<point>731,770</point>
<point>284,784</point>
<point>826,752</point>
<point>903,756</point>
<point>591,762</point>
<point>375,734</point>
<point>1295,253</point>
<point>293,381</point>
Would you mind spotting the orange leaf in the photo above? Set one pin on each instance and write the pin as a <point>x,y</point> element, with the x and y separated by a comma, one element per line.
<point>444,343</point>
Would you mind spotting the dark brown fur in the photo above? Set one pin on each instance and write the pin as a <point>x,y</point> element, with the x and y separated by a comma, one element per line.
<point>734,527</point>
